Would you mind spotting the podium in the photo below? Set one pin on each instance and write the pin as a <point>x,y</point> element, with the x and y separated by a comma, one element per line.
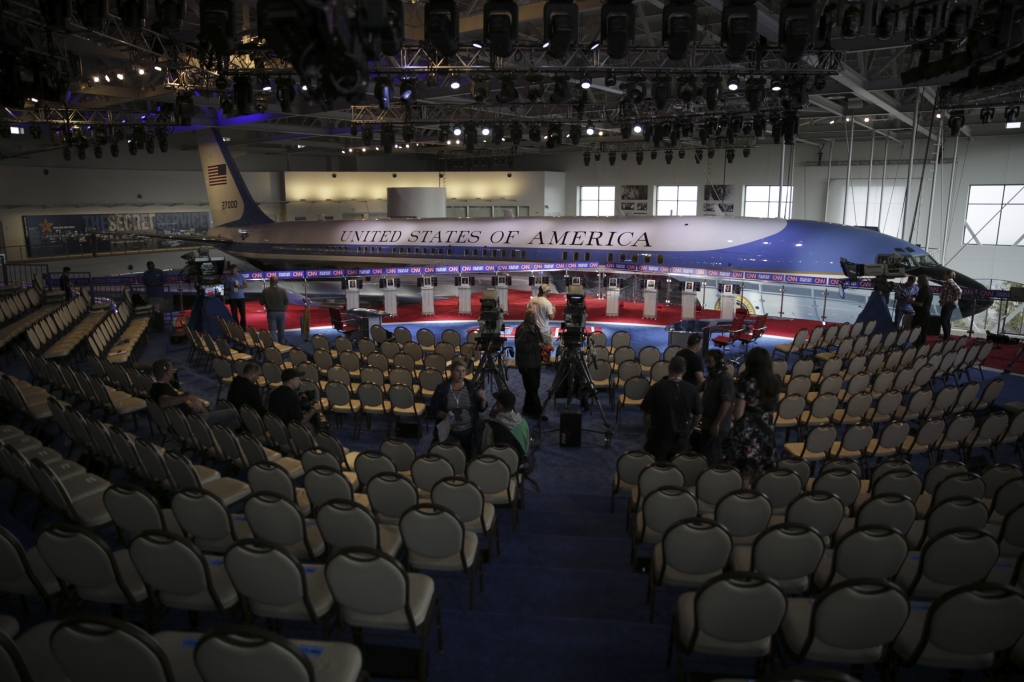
<point>689,306</point>
<point>427,297</point>
<point>391,298</point>
<point>727,305</point>
<point>502,288</point>
<point>650,304</point>
<point>351,298</point>
<point>465,299</point>
<point>611,306</point>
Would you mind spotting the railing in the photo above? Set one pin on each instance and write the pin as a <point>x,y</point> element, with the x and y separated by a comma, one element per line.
<point>80,248</point>
<point>22,274</point>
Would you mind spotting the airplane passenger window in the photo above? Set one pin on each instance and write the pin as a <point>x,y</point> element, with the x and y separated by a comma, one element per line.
<point>611,258</point>
<point>586,256</point>
<point>661,258</point>
<point>622,258</point>
<point>636,258</point>
<point>565,255</point>
<point>647,258</point>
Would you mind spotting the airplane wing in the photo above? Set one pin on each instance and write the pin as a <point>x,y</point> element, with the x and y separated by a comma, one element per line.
<point>192,239</point>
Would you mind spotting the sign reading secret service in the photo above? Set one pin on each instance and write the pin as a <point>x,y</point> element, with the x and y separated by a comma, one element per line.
<point>43,229</point>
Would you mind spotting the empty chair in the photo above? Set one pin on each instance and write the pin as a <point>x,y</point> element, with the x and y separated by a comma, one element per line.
<point>744,514</point>
<point>818,509</point>
<point>732,615</point>
<point>843,483</point>
<point>374,591</point>
<point>276,585</point>
<point>324,484</point>
<point>952,512</point>
<point>390,496</point>
<point>246,653</point>
<point>135,510</point>
<point>179,576</point>
<point>276,519</point>
<point>788,554</point>
<point>464,499</point>
<point>690,552</point>
<point>627,471</point>
<point>851,623</point>
<point>876,552</point>
<point>661,508</point>
<point>815,446</point>
<point>494,479</point>
<point>948,560</point>
<point>692,465</point>
<point>345,524</point>
<point>885,509</point>
<point>186,475</point>
<point>93,647</point>
<point>23,572</point>
<point>206,521</point>
<point>77,499</point>
<point>935,475</point>
<point>80,559</point>
<point>715,483</point>
<point>436,540</point>
<point>780,486</point>
<point>272,477</point>
<point>427,471</point>
<point>964,630</point>
<point>400,452</point>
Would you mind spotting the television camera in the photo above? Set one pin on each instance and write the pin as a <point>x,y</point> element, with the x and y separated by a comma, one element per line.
<point>491,321</point>
<point>574,321</point>
<point>880,274</point>
<point>206,272</point>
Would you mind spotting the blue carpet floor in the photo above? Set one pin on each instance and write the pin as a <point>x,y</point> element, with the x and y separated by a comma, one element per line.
<point>561,602</point>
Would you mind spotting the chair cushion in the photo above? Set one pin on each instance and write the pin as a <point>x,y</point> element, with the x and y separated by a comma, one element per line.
<point>470,544</point>
<point>674,577</point>
<point>34,647</point>
<point>220,583</point>
<point>421,592</point>
<point>111,593</point>
<point>796,628</point>
<point>482,526</point>
<point>706,644</point>
<point>23,585</point>
<point>229,490</point>
<point>319,596</point>
<point>910,636</point>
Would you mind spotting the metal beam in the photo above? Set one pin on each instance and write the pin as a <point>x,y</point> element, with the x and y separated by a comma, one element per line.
<point>831,107</point>
<point>859,86</point>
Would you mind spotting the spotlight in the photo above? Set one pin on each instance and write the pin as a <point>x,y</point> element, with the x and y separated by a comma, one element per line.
<point>730,155</point>
<point>609,80</point>
<point>987,114</point>
<point>574,133</point>
<point>618,27</point>
<point>668,156</point>
<point>758,126</point>
<point>67,153</point>
<point>654,155</point>
<point>243,95</point>
<point>35,131</point>
<point>561,93</point>
<point>535,132</point>
<point>597,156</point>
<point>554,133</point>
<point>535,86</point>
<point>387,137</point>
<point>678,28</point>
<point>625,130</point>
<point>698,155</point>
<point>586,158</point>
<point>585,82</point>
<point>98,151</point>
<point>561,27</point>
<point>133,147</point>
<point>734,84</point>
<point>183,109</point>
<point>382,91</point>
<point>501,27</point>
<point>637,90</point>
<point>81,153</point>
<point>776,85</point>
<point>516,132</point>
<point>776,130</point>
<point>407,90</point>
<point>956,122</point>
<point>684,90</point>
<point>639,158</point>
<point>441,26</point>
<point>960,16</point>
<point>1011,114</point>
<point>150,145</point>
<point>432,79</point>
<point>851,17</point>
<point>485,131</point>
<point>443,133</point>
<point>480,89</point>
<point>797,22</point>
<point>622,156</point>
<point>748,127</point>
<point>755,94</point>
<point>887,18</point>
<point>711,154</point>
<point>682,154</point>
<point>457,130</point>
<point>590,127</point>
<point>712,89</point>
<point>114,149</point>
<point>408,133</point>
<point>611,159</point>
<point>746,152</point>
<point>661,91</point>
<point>637,128</point>
<point>509,92</point>
<point>455,84</point>
<point>739,28</point>
<point>703,132</point>
<point>470,136</point>
<point>367,134</point>
<point>161,138</point>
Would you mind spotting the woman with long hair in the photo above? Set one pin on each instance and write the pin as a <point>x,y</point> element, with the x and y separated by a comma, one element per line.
<point>922,309</point>
<point>752,444</point>
<point>529,344</point>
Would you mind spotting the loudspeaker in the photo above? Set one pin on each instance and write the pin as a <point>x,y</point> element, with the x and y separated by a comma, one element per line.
<point>533,280</point>
<point>419,281</point>
<point>383,283</point>
<point>494,281</point>
<point>570,429</point>
<point>433,281</point>
<point>472,281</point>
<point>398,283</point>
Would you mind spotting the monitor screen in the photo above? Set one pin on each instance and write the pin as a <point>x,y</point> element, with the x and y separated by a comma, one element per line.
<point>210,268</point>
<point>726,288</point>
<point>651,284</point>
<point>577,280</point>
<point>390,282</point>
<point>465,280</point>
<point>688,286</point>
<point>353,284</point>
<point>214,290</point>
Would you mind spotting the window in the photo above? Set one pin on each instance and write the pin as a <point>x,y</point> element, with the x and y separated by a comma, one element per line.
<point>597,201</point>
<point>764,201</point>
<point>995,215</point>
<point>676,200</point>
<point>647,258</point>
<point>877,206</point>
<point>661,259</point>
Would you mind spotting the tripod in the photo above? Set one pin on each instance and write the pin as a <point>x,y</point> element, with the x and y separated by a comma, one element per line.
<point>491,372</point>
<point>573,376</point>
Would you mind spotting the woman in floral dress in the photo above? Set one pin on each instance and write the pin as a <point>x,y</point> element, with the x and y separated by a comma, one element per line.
<point>752,442</point>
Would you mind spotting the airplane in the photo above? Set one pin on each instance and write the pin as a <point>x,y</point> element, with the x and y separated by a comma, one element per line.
<point>766,245</point>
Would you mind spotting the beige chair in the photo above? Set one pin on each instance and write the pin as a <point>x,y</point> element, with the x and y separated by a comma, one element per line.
<point>690,552</point>
<point>276,519</point>
<point>627,471</point>
<point>80,559</point>
<point>345,524</point>
<point>436,540</point>
<point>464,499</point>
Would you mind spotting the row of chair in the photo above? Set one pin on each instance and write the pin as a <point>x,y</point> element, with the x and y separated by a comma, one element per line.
<point>59,333</point>
<point>121,336</point>
<point>20,311</point>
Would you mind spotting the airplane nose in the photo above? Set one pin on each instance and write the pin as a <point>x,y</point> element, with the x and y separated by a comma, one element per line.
<point>968,306</point>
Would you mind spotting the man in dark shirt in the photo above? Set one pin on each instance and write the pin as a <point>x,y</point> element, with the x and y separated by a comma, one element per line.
<point>165,395</point>
<point>244,390</point>
<point>65,282</point>
<point>671,409</point>
<point>719,391</point>
<point>694,373</point>
<point>284,400</point>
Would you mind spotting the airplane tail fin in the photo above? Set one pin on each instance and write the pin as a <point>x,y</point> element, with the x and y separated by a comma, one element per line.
<point>230,202</point>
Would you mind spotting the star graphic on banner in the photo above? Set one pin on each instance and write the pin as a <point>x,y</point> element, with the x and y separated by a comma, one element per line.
<point>46,225</point>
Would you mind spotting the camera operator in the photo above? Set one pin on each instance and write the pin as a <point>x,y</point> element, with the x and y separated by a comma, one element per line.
<point>165,393</point>
<point>459,401</point>
<point>529,345</point>
<point>544,310</point>
<point>286,403</point>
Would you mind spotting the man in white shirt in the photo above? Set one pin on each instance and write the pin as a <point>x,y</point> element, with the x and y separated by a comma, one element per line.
<point>543,310</point>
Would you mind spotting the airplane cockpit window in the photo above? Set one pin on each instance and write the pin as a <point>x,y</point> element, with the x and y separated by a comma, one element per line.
<point>906,261</point>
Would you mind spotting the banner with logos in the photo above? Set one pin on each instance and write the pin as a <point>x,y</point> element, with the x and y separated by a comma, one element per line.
<point>51,235</point>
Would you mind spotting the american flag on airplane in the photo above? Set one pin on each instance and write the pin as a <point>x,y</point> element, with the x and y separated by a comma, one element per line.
<point>217,175</point>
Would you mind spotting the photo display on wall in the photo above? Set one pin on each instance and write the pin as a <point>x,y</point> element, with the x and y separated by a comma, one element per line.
<point>719,199</point>
<point>49,235</point>
<point>634,200</point>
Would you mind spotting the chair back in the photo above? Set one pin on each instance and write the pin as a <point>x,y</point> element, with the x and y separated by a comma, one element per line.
<point>630,464</point>
<point>451,452</point>
<point>81,559</point>
<point>955,512</point>
<point>664,507</point>
<point>171,565</point>
<point>959,485</point>
<point>843,483</point>
<point>95,647</point>
<point>960,556</point>
<point>432,531</point>
<point>974,620</point>
<point>273,478</point>
<point>133,509</point>
<point>391,495</point>
<point>265,573</point>
<point>939,472</point>
<point>860,614</point>
<point>744,513</point>
<point>344,523</point>
<point>780,487</point>
<point>697,546</point>
<point>429,469</point>
<point>324,484</point>
<point>248,653</point>
<point>691,464</point>
<point>717,482</point>
<point>463,498</point>
<point>819,509</point>
<point>891,510</point>
<point>788,551</point>
<point>367,581</point>
<point>202,516</point>
<point>369,463</point>
<point>738,607</point>
<point>657,475</point>
<point>275,518</point>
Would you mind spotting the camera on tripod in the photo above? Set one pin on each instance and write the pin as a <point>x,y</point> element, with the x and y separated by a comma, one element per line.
<point>491,322</point>
<point>575,320</point>
<point>880,275</point>
<point>205,271</point>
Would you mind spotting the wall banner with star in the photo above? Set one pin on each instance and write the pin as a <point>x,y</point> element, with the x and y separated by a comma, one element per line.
<point>49,235</point>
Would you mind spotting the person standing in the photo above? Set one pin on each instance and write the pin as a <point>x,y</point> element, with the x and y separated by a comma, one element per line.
<point>65,282</point>
<point>234,285</point>
<point>752,444</point>
<point>154,280</point>
<point>528,359</point>
<point>694,373</point>
<point>275,299</point>
<point>671,409</point>
<point>459,401</point>
<point>905,294</point>
<point>719,394</point>
<point>949,298</point>
<point>544,310</point>
<point>922,309</point>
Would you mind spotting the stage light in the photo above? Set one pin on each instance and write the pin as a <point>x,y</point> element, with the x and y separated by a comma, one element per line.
<point>755,94</point>
<point>480,90</point>
<point>746,152</point>
<point>590,128</point>
<point>387,137</point>
<point>441,26</point>
<point>597,156</point>
<point>150,145</point>
<point>686,129</point>
<point>574,133</point>
<point>668,156</point>
<point>639,158</point>
<point>1011,114</point>
<point>382,92</point>
<point>585,82</point>
<point>508,92</point>
<point>133,147</point>
<point>515,130</point>
<point>625,130</point>
<point>611,159</point>
<point>987,114</point>
<point>776,130</point>
<point>618,27</point>
<point>654,155</point>
<point>114,149</point>
<point>586,158</point>
<point>622,156</point>
<point>498,133</point>
<point>851,17</point>
<point>555,134</point>
<point>819,83</point>
<point>561,27</point>
<point>704,135</point>
<point>797,22</point>
<point>285,94</point>
<point>443,133</point>
<point>637,90</point>
<point>661,91</point>
<point>561,93</point>
<point>501,27</point>
<point>161,138</point>
<point>956,122</point>
<point>698,155</point>
<point>81,153</point>
<point>98,151</point>
<point>648,132</point>
<point>35,131</point>
<point>776,85</point>
<point>407,90</point>
<point>748,127</point>
<point>610,80</point>
<point>637,128</point>
<point>243,95</point>
<point>408,133</point>
<point>730,155</point>
<point>739,28</point>
<point>712,90</point>
<point>67,153</point>
<point>367,134</point>
<point>887,18</point>
<point>711,153</point>
<point>457,130</point>
<point>120,76</point>
<point>470,136</point>
<point>485,131</point>
<point>455,84</point>
<point>535,132</point>
<point>432,79</point>
<point>959,17</point>
<point>534,87</point>
<point>678,27</point>
<point>734,84</point>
